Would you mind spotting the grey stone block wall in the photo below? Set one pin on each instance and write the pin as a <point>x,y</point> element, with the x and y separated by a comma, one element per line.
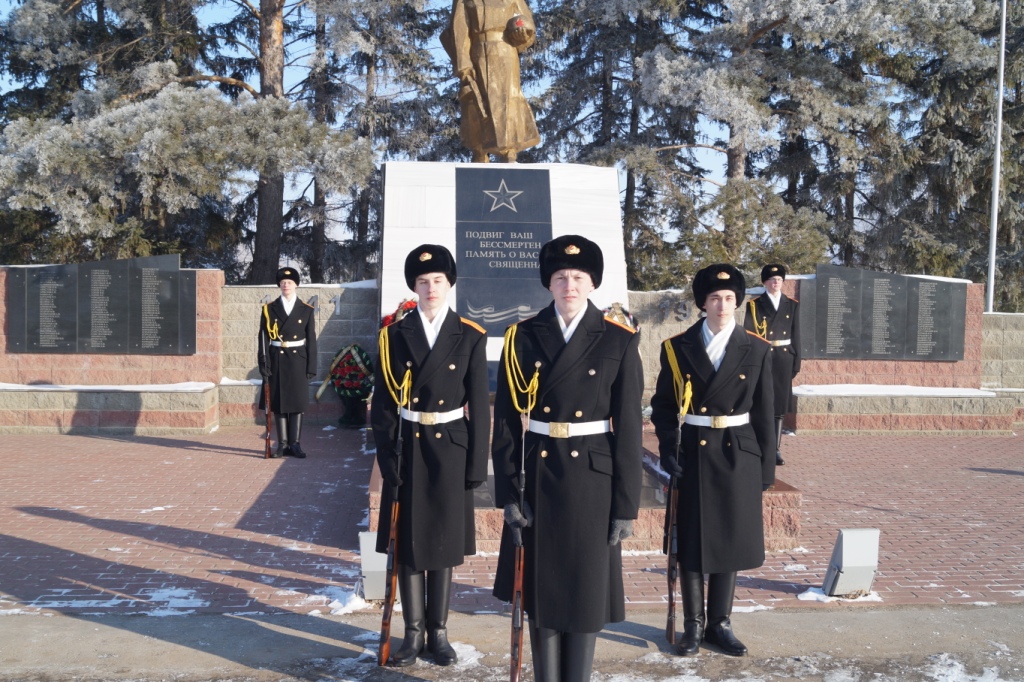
<point>1002,351</point>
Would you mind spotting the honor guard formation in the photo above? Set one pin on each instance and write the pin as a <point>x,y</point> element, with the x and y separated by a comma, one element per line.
<point>565,450</point>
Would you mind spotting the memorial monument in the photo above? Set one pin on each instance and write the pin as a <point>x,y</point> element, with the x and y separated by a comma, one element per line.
<point>484,39</point>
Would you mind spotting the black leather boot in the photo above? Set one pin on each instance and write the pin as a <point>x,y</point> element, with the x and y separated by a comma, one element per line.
<point>692,587</point>
<point>281,422</point>
<point>439,588</point>
<point>294,434</point>
<point>546,647</point>
<point>721,589</point>
<point>578,656</point>
<point>410,587</point>
<point>778,442</point>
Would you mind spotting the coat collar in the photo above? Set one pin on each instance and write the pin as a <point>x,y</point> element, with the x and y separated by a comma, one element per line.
<point>691,344</point>
<point>562,356</point>
<point>430,360</point>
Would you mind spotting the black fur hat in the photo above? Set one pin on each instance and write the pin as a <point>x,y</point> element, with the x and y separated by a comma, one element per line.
<point>289,273</point>
<point>574,252</point>
<point>715,278</point>
<point>773,270</point>
<point>429,258</point>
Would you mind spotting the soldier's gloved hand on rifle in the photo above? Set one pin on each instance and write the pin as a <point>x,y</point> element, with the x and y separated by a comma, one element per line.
<point>620,530</point>
<point>265,373</point>
<point>473,485</point>
<point>670,464</point>
<point>391,476</point>
<point>517,519</point>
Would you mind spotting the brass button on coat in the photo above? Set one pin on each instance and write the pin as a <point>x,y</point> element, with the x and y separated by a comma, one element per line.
<point>579,413</point>
<point>451,366</point>
<point>574,453</point>
<point>703,409</point>
<point>543,454</point>
<point>547,409</point>
<point>703,442</point>
<point>440,402</point>
<point>437,435</point>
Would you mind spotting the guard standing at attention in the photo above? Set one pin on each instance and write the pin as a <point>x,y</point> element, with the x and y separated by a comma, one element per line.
<point>287,360</point>
<point>773,317</point>
<point>574,377</point>
<point>431,382</point>
<point>712,414</point>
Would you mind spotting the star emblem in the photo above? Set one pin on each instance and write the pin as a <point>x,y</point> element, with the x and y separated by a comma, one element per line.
<point>502,196</point>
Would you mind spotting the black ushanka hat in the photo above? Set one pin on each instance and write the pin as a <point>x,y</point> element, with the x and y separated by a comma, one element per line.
<point>773,270</point>
<point>289,273</point>
<point>573,252</point>
<point>716,278</point>
<point>427,258</point>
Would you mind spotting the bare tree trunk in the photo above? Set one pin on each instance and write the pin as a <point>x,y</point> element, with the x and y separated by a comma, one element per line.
<point>735,171</point>
<point>321,112</point>
<point>270,190</point>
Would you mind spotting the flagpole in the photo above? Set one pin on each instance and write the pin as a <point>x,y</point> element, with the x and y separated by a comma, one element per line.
<point>991,289</point>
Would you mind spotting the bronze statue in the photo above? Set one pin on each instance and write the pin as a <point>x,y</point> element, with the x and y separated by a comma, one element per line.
<point>484,39</point>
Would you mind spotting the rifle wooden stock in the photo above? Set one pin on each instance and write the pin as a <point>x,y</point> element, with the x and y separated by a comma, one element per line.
<point>390,585</point>
<point>391,579</point>
<point>266,402</point>
<point>517,615</point>
<point>671,549</point>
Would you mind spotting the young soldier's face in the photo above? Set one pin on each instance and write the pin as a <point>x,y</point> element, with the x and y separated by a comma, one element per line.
<point>432,290</point>
<point>570,289</point>
<point>720,307</point>
<point>287,287</point>
<point>773,285</point>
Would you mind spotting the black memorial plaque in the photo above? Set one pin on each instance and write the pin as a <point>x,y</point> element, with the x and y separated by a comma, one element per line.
<point>153,302</point>
<point>837,313</point>
<point>103,307</point>
<point>16,300</point>
<point>935,311</point>
<point>137,306</point>
<point>859,314</point>
<point>502,218</point>
<point>52,309</point>
<point>883,316</point>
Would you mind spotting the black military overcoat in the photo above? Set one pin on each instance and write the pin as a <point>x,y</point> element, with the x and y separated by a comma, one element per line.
<point>720,515</point>
<point>575,486</point>
<point>289,367</point>
<point>782,324</point>
<point>436,525</point>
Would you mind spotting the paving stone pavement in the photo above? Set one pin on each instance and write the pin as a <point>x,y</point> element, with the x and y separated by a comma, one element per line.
<point>94,525</point>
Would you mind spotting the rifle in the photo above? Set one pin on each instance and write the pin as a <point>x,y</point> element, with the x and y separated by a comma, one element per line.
<point>266,400</point>
<point>520,566</point>
<point>671,545</point>
<point>391,578</point>
<point>673,559</point>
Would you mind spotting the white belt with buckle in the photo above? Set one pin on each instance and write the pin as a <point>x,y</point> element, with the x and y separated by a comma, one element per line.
<point>783,342</point>
<point>720,422</point>
<point>431,418</point>
<point>288,344</point>
<point>569,429</point>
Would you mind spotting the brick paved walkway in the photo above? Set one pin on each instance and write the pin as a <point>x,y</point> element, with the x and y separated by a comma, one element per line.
<point>92,525</point>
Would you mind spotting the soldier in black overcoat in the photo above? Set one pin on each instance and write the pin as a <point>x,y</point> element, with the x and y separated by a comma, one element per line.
<point>580,375</point>
<point>436,362</point>
<point>287,360</point>
<point>714,397</point>
<point>773,317</point>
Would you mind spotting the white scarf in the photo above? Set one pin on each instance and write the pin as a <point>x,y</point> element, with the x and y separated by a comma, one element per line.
<point>432,329</point>
<point>715,344</point>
